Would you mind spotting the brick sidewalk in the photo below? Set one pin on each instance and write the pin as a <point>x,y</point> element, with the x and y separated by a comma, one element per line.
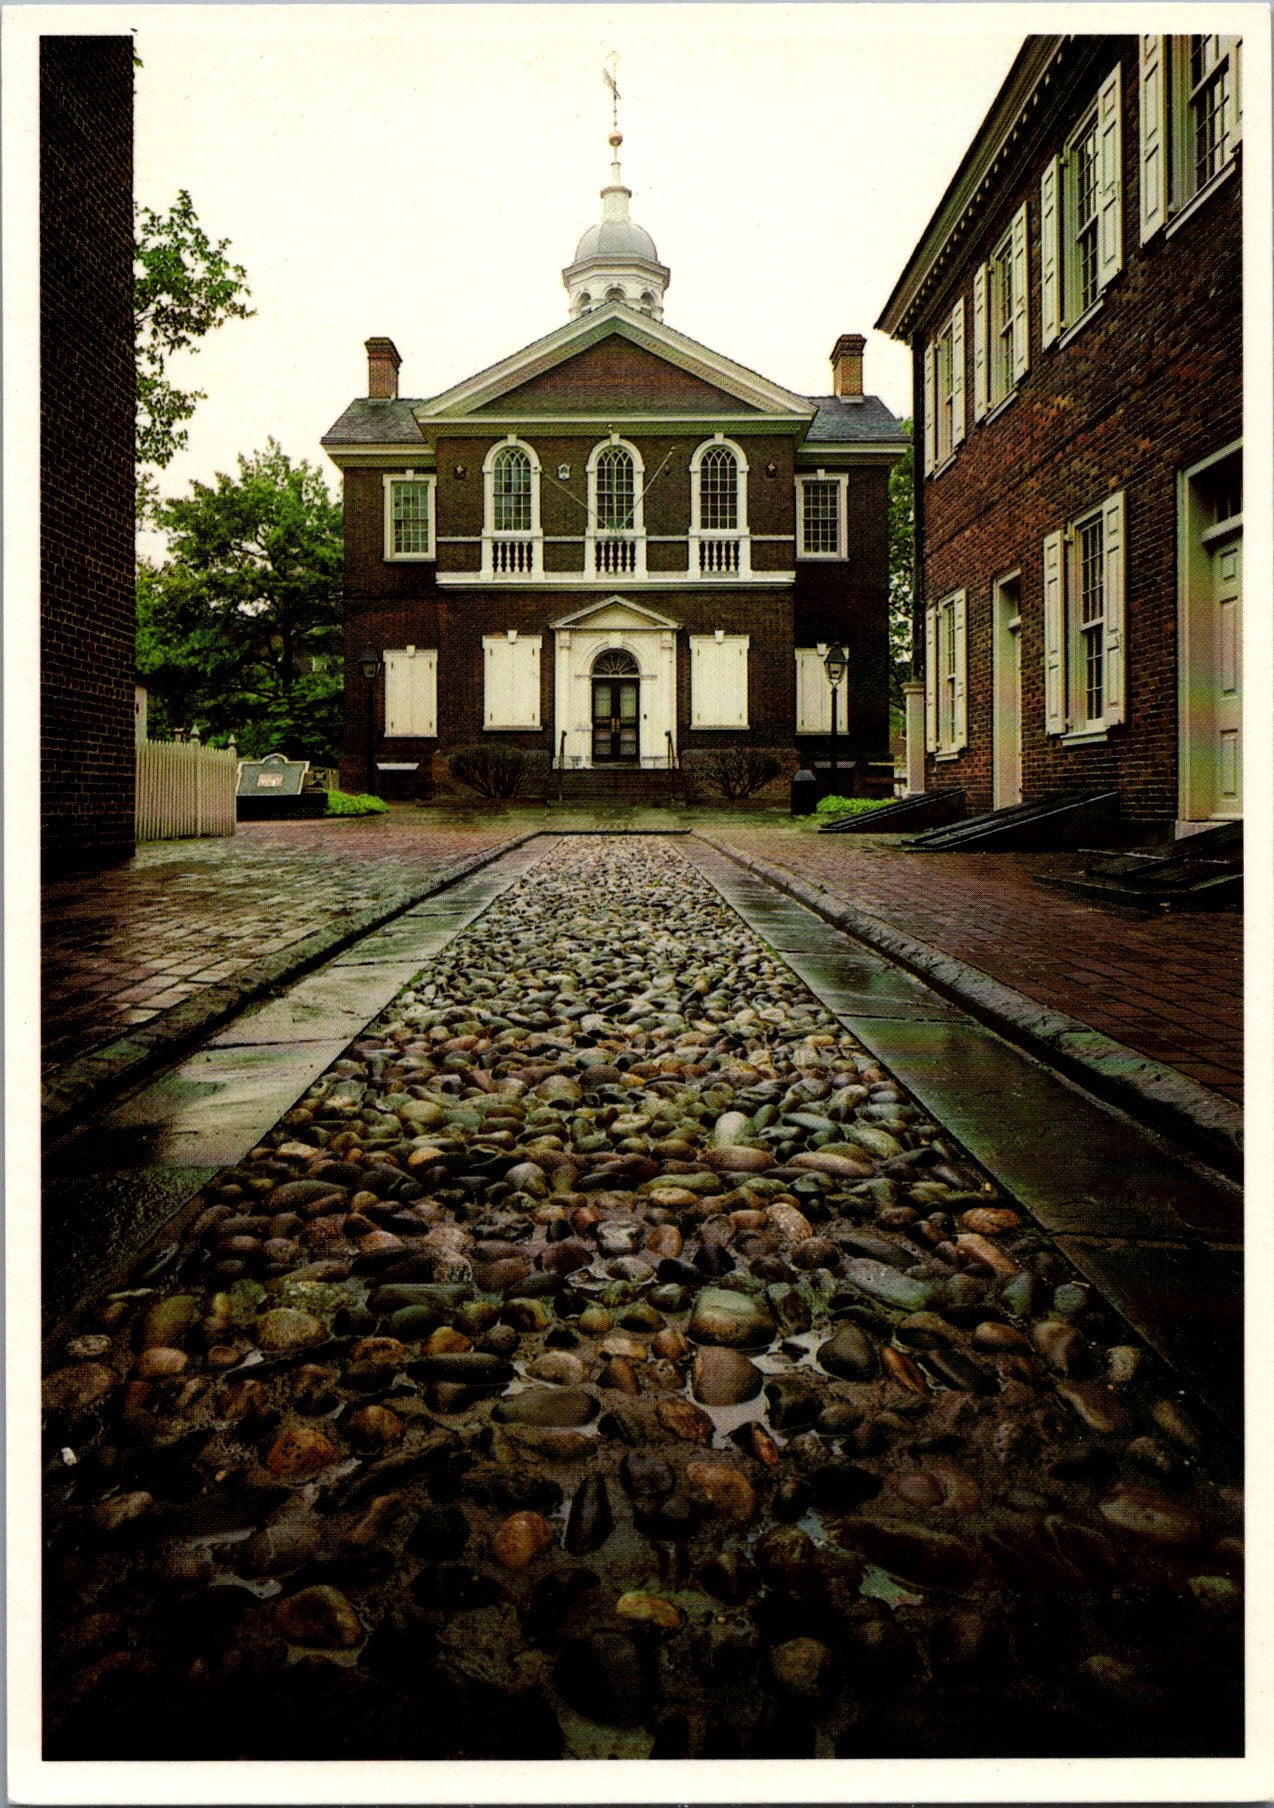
<point>120,947</point>
<point>1168,985</point>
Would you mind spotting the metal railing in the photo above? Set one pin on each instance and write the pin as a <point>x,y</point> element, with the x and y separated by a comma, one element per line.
<point>184,789</point>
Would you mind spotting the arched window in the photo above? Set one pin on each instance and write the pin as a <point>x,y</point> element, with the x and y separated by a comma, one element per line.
<point>616,527</point>
<point>615,662</point>
<point>616,491</point>
<point>720,546</point>
<point>718,490</point>
<point>614,293</point>
<point>647,301</point>
<point>511,491</point>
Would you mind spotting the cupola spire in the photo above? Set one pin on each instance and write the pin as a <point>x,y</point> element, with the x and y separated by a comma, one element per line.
<point>616,260</point>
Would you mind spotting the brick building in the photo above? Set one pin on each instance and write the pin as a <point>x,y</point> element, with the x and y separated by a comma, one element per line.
<point>1074,311</point>
<point>614,548</point>
<point>87,403</point>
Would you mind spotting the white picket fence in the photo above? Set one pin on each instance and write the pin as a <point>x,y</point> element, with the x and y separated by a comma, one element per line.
<point>184,789</point>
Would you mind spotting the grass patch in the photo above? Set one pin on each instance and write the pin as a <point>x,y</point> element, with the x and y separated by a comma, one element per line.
<point>348,803</point>
<point>849,806</point>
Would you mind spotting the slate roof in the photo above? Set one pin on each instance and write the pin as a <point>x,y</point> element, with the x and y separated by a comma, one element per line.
<point>367,423</point>
<point>843,421</point>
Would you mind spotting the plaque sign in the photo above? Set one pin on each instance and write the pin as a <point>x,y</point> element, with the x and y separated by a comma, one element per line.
<point>274,776</point>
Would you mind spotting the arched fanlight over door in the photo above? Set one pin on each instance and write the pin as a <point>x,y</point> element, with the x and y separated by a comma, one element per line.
<point>615,662</point>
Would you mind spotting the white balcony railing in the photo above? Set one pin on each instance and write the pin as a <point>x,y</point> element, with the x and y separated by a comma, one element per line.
<point>720,556</point>
<point>618,555</point>
<point>513,555</point>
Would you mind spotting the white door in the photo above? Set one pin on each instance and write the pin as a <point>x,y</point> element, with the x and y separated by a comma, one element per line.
<point>1006,745</point>
<point>1226,760</point>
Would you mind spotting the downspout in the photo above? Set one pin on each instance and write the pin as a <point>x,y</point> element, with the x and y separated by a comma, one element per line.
<point>914,689</point>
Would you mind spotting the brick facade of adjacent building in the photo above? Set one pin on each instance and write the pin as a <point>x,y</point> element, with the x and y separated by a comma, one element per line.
<point>87,437</point>
<point>1146,387</point>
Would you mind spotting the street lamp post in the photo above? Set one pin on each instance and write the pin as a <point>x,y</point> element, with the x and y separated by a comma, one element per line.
<point>371,665</point>
<point>835,662</point>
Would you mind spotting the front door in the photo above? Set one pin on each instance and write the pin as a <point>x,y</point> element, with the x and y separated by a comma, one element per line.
<point>615,721</point>
<point>1227,648</point>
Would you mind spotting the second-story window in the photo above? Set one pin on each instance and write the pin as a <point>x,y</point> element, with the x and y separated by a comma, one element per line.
<point>1191,120</point>
<point>616,530</point>
<point>409,522</point>
<point>1081,220</point>
<point>719,545</point>
<point>512,491</point>
<point>821,516</point>
<point>512,542</point>
<point>718,490</point>
<point>944,389</point>
<point>1001,349</point>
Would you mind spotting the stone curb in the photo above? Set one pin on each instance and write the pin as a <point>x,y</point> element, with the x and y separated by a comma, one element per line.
<point>1156,1095</point>
<point>91,1079</point>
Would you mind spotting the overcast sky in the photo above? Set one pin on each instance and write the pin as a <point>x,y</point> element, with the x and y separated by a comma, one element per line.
<point>425,172</point>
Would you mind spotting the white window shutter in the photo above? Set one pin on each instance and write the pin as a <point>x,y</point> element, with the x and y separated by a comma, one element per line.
<point>511,681</point>
<point>1054,625</point>
<point>979,342</point>
<point>957,372</point>
<point>411,692</point>
<point>1110,227</point>
<point>960,702</point>
<point>1236,91</point>
<point>719,681</point>
<point>1112,545</point>
<point>813,693</point>
<point>1021,316</point>
<point>931,424</point>
<point>1050,274</point>
<point>1154,133</point>
<point>931,679</point>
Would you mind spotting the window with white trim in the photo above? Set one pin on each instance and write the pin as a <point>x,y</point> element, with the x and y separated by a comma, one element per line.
<point>1081,217</point>
<point>944,389</point>
<point>719,680</point>
<point>820,516</point>
<point>409,516</point>
<point>813,691</point>
<point>411,691</point>
<point>1084,623</point>
<point>1001,348</point>
<point>719,544</point>
<point>1191,120</point>
<point>511,680</point>
<point>616,535</point>
<point>946,675</point>
<point>512,544</point>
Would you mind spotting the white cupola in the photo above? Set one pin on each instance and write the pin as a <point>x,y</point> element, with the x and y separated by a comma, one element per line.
<point>616,260</point>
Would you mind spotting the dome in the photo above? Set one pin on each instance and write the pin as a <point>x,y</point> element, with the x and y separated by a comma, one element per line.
<point>618,239</point>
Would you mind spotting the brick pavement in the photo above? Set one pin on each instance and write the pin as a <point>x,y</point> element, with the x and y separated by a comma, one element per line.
<point>122,946</point>
<point>1168,985</point>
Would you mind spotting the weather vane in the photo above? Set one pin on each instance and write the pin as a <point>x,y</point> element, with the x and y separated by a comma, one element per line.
<point>610,74</point>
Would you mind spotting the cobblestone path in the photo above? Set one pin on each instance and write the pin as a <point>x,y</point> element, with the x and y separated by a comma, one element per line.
<point>606,1358</point>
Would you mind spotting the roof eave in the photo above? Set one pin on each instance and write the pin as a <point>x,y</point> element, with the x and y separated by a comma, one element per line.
<point>1020,88</point>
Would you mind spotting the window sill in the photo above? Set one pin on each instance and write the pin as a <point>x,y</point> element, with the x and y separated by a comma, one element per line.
<point>1083,737</point>
<point>997,408</point>
<point>720,727</point>
<point>410,558</point>
<point>823,558</point>
<point>1189,208</point>
<point>1079,325</point>
<point>945,465</point>
<point>510,728</point>
<point>948,753</point>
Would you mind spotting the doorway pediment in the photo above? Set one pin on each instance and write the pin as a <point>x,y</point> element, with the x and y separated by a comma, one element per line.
<point>615,614</point>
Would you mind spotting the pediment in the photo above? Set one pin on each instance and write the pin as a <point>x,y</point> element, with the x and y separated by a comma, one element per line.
<point>568,369</point>
<point>615,615</point>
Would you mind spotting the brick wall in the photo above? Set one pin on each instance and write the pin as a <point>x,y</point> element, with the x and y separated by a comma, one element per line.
<point>87,399</point>
<point>1147,387</point>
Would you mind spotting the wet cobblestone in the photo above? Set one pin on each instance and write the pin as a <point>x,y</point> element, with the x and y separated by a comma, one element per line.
<point>607,1358</point>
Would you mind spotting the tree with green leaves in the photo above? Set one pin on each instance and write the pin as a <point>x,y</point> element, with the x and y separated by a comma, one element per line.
<point>184,286</point>
<point>901,552</point>
<point>239,629</point>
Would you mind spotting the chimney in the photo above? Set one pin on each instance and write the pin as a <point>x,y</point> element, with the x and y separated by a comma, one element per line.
<point>382,370</point>
<point>847,365</point>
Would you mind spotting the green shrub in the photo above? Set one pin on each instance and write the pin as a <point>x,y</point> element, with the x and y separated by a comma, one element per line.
<point>739,771</point>
<point>489,769</point>
<point>345,803</point>
<point>848,806</point>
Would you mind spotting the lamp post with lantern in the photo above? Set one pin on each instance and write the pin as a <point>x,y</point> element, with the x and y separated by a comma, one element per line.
<point>370,661</point>
<point>835,663</point>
